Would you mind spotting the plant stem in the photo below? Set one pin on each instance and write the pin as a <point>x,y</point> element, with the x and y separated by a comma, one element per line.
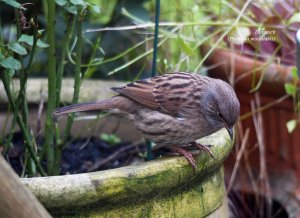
<point>153,73</point>
<point>61,65</point>
<point>120,55</point>
<point>49,126</point>
<point>1,37</point>
<point>129,62</point>
<point>88,72</point>
<point>60,70</point>
<point>24,74</point>
<point>155,41</point>
<point>26,134</point>
<point>77,81</point>
<point>7,143</point>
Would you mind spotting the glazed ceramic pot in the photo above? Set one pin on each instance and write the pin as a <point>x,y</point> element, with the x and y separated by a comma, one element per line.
<point>165,186</point>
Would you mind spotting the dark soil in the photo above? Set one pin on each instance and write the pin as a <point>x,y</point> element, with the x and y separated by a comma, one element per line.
<point>86,155</point>
<point>93,154</point>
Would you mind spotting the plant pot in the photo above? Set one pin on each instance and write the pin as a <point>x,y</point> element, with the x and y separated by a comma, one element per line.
<point>165,186</point>
<point>282,151</point>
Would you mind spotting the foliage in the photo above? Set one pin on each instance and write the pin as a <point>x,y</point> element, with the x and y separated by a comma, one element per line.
<point>266,31</point>
<point>114,42</point>
<point>16,60</point>
<point>273,36</point>
<point>180,52</point>
<point>111,139</point>
<point>292,90</point>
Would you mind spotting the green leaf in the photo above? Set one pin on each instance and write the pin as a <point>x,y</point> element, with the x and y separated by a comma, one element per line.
<point>291,125</point>
<point>72,9</point>
<point>95,8</point>
<point>295,73</point>
<point>29,40</point>
<point>40,31</point>
<point>185,47</point>
<point>26,38</point>
<point>61,2</point>
<point>42,44</point>
<point>79,2</point>
<point>290,89</point>
<point>17,48</point>
<point>13,3</point>
<point>10,63</point>
<point>111,139</point>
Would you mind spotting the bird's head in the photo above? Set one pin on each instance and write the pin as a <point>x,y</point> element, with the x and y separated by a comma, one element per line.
<point>222,106</point>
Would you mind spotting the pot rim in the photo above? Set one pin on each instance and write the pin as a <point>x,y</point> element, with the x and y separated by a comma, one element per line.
<point>110,186</point>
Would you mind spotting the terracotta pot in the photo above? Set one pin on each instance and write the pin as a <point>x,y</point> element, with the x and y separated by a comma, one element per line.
<point>281,148</point>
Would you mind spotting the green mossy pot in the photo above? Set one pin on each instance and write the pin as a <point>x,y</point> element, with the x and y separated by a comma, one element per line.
<point>165,187</point>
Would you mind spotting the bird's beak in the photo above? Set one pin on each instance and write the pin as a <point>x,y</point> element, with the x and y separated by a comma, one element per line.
<point>230,132</point>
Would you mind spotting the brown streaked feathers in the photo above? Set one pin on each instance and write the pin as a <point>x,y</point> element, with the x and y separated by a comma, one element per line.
<point>172,109</point>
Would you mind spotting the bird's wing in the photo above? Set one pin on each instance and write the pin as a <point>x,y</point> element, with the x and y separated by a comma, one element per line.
<point>140,91</point>
<point>171,93</point>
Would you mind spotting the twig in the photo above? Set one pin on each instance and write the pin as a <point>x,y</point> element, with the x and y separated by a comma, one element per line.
<point>7,143</point>
<point>112,156</point>
<point>87,141</point>
<point>234,24</point>
<point>262,108</point>
<point>246,159</point>
<point>172,24</point>
<point>238,160</point>
<point>39,115</point>
<point>140,56</point>
<point>263,174</point>
<point>87,73</point>
<point>96,63</point>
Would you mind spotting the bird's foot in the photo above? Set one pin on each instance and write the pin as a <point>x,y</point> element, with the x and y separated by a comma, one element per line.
<point>188,155</point>
<point>204,148</point>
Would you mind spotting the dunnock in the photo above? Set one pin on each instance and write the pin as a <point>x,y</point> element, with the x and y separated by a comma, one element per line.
<point>173,109</point>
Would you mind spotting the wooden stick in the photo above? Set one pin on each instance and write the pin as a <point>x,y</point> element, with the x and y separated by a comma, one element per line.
<point>15,199</point>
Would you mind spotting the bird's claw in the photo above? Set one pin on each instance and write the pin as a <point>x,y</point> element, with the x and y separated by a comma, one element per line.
<point>205,148</point>
<point>187,155</point>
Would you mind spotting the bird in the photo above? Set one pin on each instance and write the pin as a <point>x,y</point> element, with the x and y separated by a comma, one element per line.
<point>172,110</point>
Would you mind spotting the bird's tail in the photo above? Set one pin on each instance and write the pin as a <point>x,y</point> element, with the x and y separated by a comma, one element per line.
<point>88,106</point>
